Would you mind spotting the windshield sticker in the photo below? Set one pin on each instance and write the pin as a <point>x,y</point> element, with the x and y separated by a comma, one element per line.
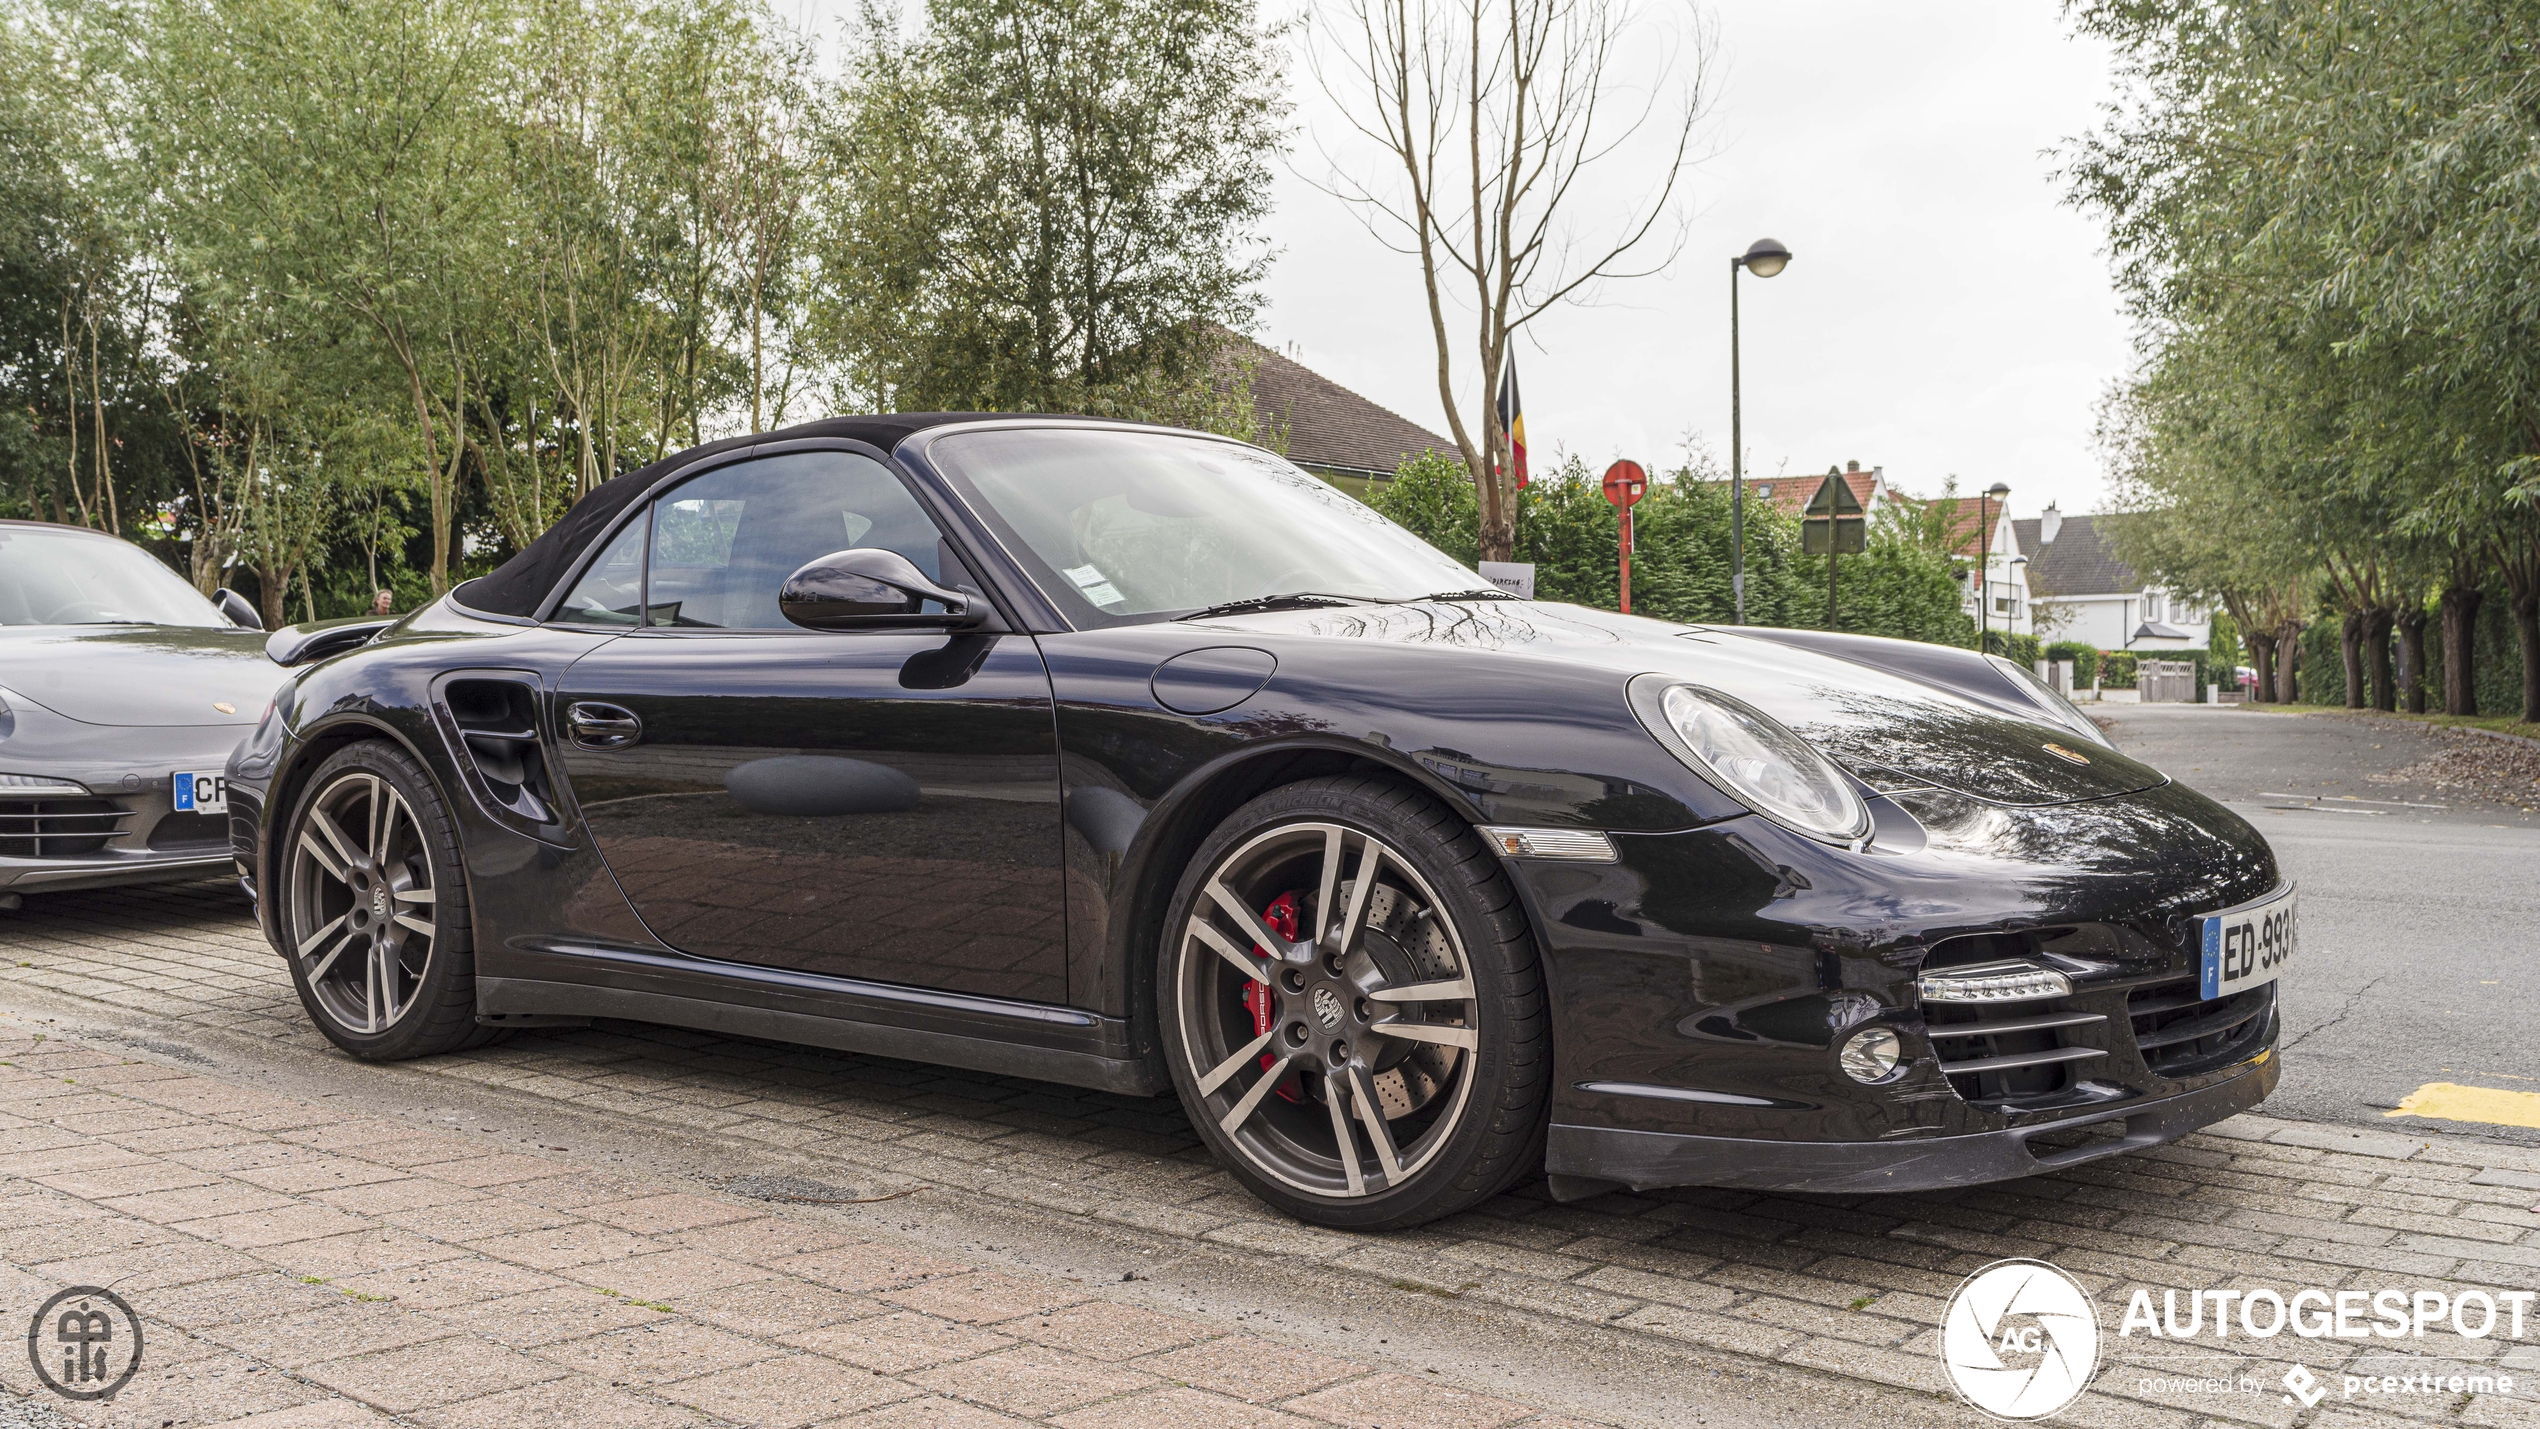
<point>1096,586</point>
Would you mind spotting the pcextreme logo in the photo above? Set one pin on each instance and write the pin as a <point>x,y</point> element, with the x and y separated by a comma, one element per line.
<point>2019,1340</point>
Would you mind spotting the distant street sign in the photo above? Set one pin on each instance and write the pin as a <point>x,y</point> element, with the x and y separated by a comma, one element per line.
<point>1834,520</point>
<point>1624,482</point>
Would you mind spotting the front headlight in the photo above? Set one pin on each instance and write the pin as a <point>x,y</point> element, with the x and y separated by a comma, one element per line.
<point>1752,757</point>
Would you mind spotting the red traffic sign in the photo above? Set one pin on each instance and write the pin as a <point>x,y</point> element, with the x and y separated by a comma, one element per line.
<point>1624,482</point>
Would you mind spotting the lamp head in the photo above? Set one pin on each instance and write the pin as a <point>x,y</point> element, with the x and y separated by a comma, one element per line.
<point>1765,257</point>
<point>1998,490</point>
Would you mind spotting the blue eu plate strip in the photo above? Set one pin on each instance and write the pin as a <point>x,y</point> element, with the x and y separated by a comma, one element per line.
<point>184,792</point>
<point>2209,981</point>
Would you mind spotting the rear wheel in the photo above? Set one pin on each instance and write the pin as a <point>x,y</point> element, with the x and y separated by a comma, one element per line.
<point>374,911</point>
<point>1352,1006</point>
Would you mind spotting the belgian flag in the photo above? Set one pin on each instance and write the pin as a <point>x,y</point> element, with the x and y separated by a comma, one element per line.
<point>1512,420</point>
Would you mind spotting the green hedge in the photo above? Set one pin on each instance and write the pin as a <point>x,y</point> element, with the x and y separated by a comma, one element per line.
<point>1680,556</point>
<point>2085,658</point>
<point>2020,650</point>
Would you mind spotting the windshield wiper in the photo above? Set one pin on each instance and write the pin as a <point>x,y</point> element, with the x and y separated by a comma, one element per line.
<point>1291,600</point>
<point>1481,593</point>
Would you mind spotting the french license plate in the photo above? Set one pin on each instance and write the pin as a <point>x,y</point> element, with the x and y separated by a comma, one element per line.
<point>2248,946</point>
<point>202,794</point>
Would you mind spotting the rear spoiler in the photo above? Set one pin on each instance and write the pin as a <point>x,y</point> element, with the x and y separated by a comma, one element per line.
<point>318,639</point>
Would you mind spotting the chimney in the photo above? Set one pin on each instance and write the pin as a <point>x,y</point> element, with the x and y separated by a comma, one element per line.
<point>1851,466</point>
<point>2049,521</point>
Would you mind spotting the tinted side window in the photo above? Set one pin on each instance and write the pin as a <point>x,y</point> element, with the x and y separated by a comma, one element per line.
<point>724,542</point>
<point>611,592</point>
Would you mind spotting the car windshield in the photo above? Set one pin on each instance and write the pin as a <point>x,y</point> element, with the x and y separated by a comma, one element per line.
<point>1124,526</point>
<point>59,577</point>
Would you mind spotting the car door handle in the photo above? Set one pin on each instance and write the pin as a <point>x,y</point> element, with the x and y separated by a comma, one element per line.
<point>599,726</point>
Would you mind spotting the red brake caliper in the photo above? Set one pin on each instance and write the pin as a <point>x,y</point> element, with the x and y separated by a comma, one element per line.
<point>1281,916</point>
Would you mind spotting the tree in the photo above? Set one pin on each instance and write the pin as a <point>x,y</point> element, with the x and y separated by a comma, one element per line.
<point>339,158</point>
<point>2324,211</point>
<point>1050,206</point>
<point>1500,125</point>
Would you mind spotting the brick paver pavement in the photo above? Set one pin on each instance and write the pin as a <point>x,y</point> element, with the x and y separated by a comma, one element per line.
<point>513,1269</point>
<point>298,1267</point>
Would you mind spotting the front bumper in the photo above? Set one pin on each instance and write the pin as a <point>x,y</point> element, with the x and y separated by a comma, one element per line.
<point>1586,1160</point>
<point>92,806</point>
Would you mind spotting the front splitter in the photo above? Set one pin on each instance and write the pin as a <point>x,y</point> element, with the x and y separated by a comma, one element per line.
<point>1586,1160</point>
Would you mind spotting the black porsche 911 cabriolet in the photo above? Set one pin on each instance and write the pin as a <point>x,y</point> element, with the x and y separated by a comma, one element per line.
<point>1142,760</point>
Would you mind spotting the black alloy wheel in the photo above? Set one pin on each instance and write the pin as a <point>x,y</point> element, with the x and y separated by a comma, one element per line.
<point>374,914</point>
<point>1352,1006</point>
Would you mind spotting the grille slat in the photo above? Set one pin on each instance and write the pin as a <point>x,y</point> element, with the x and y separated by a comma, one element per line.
<point>2050,1057</point>
<point>2023,1024</point>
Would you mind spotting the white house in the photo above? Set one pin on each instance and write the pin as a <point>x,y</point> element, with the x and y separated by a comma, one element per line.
<point>2006,584</point>
<point>2088,595</point>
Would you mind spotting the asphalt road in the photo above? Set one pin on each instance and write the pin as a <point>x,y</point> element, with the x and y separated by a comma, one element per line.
<point>2419,924</point>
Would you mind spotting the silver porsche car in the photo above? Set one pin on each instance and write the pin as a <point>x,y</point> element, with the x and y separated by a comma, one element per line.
<point>122,692</point>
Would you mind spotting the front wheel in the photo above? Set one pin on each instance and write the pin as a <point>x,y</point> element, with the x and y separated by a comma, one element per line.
<point>1352,1007</point>
<point>374,910</point>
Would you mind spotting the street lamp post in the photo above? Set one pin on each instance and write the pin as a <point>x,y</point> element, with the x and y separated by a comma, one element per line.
<point>1763,258</point>
<point>2017,584</point>
<point>1984,563</point>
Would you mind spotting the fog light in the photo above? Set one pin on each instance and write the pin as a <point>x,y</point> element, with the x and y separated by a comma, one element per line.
<point>1871,1055</point>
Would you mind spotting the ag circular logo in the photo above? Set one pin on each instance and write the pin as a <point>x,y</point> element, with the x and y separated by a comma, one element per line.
<point>85,1343</point>
<point>2019,1340</point>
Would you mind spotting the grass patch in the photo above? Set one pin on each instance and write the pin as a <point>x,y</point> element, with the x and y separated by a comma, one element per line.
<point>2493,724</point>
<point>631,1300</point>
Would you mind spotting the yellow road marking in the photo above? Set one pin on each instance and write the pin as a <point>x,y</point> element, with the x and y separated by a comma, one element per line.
<point>2449,1101</point>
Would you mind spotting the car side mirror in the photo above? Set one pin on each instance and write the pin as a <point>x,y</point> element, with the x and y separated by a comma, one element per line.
<point>235,606</point>
<point>867,588</point>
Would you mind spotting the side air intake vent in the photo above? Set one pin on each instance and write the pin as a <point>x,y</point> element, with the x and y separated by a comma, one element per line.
<point>491,723</point>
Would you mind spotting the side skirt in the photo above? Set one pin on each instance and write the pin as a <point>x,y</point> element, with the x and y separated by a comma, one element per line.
<point>980,1049</point>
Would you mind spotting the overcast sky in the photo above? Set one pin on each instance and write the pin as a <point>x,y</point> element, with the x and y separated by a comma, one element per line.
<point>1943,313</point>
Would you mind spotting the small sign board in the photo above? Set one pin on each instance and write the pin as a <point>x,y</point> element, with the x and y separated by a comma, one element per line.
<point>1834,520</point>
<point>1624,482</point>
<point>1515,577</point>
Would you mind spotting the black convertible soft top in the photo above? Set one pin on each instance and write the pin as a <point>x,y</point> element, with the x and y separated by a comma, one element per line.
<point>520,585</point>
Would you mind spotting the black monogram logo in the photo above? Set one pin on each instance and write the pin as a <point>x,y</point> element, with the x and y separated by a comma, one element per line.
<point>85,1343</point>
